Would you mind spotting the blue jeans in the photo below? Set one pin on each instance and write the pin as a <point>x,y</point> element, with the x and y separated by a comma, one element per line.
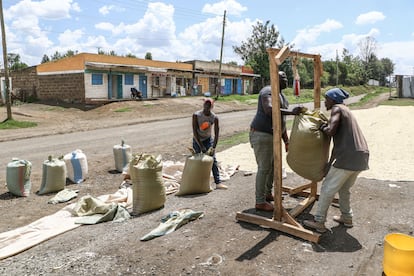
<point>262,144</point>
<point>208,143</point>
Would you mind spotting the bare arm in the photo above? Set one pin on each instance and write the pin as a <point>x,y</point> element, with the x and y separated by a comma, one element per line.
<point>195,133</point>
<point>216,132</point>
<point>333,123</point>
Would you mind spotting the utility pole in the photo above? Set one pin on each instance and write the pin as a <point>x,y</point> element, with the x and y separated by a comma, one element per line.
<point>221,58</point>
<point>336,67</point>
<point>6,69</point>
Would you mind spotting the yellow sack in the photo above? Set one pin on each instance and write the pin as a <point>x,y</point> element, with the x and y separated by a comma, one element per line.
<point>196,175</point>
<point>147,183</point>
<point>308,146</point>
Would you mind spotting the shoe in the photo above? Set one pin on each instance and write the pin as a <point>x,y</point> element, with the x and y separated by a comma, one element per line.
<point>345,222</point>
<point>318,226</point>
<point>268,207</point>
<point>270,198</point>
<point>221,186</point>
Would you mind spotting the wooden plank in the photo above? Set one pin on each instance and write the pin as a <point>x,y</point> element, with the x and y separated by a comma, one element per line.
<point>282,55</point>
<point>277,137</point>
<point>291,220</point>
<point>280,226</point>
<point>301,206</point>
<point>300,188</point>
<point>305,193</point>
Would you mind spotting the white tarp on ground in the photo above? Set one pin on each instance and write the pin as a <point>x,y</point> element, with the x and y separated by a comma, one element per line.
<point>18,240</point>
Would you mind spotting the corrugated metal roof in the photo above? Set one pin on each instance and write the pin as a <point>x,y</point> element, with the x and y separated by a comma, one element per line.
<point>77,62</point>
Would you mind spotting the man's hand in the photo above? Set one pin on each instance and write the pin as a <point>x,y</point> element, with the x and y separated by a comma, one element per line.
<point>211,151</point>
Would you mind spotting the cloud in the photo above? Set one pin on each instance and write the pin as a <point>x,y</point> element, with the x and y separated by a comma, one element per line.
<point>68,37</point>
<point>106,9</point>
<point>309,35</point>
<point>231,7</point>
<point>369,18</point>
<point>47,9</point>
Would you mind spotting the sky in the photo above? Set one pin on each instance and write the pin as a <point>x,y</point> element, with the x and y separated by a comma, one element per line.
<point>184,30</point>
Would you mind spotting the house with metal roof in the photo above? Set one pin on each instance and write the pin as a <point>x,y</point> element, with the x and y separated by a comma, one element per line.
<point>94,78</point>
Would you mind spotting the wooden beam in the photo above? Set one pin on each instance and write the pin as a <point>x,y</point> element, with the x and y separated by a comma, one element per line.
<point>282,55</point>
<point>277,137</point>
<point>280,226</point>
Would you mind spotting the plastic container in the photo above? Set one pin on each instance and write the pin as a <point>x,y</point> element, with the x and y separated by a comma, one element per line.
<point>122,156</point>
<point>398,255</point>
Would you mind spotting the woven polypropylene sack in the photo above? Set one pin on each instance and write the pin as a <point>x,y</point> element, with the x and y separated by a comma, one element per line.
<point>53,176</point>
<point>122,156</point>
<point>18,177</point>
<point>196,175</point>
<point>308,147</point>
<point>147,183</point>
<point>76,166</point>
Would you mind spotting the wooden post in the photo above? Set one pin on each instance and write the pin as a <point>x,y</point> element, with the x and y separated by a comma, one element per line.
<point>282,220</point>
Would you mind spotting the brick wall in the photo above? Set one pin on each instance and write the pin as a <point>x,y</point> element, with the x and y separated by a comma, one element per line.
<point>63,87</point>
<point>25,82</point>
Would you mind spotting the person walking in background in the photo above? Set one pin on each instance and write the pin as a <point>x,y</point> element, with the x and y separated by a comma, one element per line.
<point>349,157</point>
<point>261,140</point>
<point>203,121</point>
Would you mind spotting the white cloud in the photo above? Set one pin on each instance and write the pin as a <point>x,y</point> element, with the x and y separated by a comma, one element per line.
<point>68,38</point>
<point>369,18</point>
<point>310,35</point>
<point>400,52</point>
<point>231,7</point>
<point>105,9</point>
<point>105,26</point>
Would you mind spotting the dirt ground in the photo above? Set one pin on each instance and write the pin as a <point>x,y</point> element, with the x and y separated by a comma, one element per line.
<point>216,244</point>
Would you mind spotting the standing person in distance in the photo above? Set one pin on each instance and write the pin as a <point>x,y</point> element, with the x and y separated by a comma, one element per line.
<point>261,140</point>
<point>349,157</point>
<point>203,122</point>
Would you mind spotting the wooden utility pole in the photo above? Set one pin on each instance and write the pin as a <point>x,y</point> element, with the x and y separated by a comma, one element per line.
<point>6,69</point>
<point>221,57</point>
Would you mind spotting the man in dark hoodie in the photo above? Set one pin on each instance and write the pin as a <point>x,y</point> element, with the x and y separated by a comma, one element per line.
<point>349,157</point>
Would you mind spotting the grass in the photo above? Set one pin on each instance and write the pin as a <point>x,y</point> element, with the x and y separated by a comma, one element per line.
<point>123,109</point>
<point>398,102</point>
<point>12,124</point>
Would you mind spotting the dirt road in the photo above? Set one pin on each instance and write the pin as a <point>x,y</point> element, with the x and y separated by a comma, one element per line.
<point>216,244</point>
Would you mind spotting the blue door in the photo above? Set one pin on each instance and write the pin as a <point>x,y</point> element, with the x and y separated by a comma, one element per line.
<point>143,85</point>
<point>239,86</point>
<point>109,86</point>
<point>119,87</point>
<point>227,86</point>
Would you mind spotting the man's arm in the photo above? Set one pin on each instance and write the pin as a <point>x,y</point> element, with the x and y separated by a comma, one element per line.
<point>331,128</point>
<point>216,131</point>
<point>195,133</point>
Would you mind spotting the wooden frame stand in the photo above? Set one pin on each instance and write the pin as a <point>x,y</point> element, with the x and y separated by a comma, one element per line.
<point>283,220</point>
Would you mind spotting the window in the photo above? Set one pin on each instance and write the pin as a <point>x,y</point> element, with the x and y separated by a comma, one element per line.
<point>129,79</point>
<point>97,79</point>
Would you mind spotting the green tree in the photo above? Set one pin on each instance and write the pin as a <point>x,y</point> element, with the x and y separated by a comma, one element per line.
<point>14,62</point>
<point>45,59</point>
<point>148,55</point>
<point>254,51</point>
